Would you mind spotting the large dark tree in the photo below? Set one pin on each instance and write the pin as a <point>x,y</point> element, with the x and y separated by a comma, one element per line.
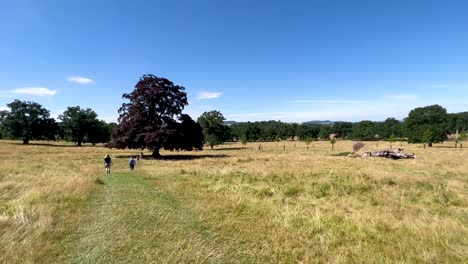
<point>214,129</point>
<point>80,125</point>
<point>148,120</point>
<point>26,121</point>
<point>430,120</point>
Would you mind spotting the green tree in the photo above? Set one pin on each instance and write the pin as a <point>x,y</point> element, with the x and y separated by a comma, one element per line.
<point>325,131</point>
<point>364,130</point>
<point>99,132</point>
<point>389,127</point>
<point>306,131</point>
<point>307,141</point>
<point>391,139</point>
<point>463,137</point>
<point>27,121</point>
<point>458,121</point>
<point>427,137</point>
<point>332,142</point>
<point>214,130</point>
<point>342,129</point>
<point>79,125</point>
<point>432,118</point>
<point>243,140</point>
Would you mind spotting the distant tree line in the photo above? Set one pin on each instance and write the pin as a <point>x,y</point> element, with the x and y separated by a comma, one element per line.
<point>30,121</point>
<point>423,125</point>
<point>147,122</point>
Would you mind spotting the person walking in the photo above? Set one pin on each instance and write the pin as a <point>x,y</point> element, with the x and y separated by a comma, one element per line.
<point>107,163</point>
<point>131,163</point>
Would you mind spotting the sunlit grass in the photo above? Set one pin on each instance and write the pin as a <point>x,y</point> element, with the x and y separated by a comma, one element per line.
<point>234,204</point>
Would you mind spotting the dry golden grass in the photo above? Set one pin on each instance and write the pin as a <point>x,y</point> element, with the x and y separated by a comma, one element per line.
<point>236,204</point>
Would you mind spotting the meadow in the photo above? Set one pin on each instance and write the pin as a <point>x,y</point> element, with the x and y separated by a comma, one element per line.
<point>234,204</point>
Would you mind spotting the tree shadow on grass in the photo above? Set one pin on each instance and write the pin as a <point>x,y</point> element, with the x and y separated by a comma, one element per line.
<point>177,157</point>
<point>50,145</point>
<point>236,148</point>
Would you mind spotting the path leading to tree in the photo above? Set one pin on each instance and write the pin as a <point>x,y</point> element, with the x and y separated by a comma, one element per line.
<point>132,222</point>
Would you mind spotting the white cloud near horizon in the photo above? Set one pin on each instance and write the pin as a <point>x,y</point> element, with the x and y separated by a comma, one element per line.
<point>38,91</point>
<point>203,95</point>
<point>80,80</point>
<point>4,108</point>
<point>329,101</point>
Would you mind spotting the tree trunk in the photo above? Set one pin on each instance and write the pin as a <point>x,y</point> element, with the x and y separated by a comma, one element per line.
<point>26,141</point>
<point>155,153</point>
<point>211,147</point>
<point>79,144</point>
<point>333,145</point>
<point>430,144</point>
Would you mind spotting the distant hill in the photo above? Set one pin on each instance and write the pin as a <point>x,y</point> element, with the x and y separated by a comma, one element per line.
<point>319,122</point>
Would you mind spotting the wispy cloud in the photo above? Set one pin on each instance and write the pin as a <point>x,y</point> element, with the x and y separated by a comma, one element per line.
<point>328,101</point>
<point>80,80</point>
<point>208,95</point>
<point>401,97</point>
<point>38,91</point>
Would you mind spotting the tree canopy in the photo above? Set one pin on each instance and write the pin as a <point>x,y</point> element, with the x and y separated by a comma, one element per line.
<point>27,121</point>
<point>424,121</point>
<point>148,120</point>
<point>215,131</point>
<point>81,125</point>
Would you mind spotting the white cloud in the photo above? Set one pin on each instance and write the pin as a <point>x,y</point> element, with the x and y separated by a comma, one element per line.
<point>80,80</point>
<point>55,113</point>
<point>208,95</point>
<point>4,108</point>
<point>401,97</point>
<point>39,91</point>
<point>329,101</point>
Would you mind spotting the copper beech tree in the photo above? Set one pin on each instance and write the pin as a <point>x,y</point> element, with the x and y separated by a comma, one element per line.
<point>148,121</point>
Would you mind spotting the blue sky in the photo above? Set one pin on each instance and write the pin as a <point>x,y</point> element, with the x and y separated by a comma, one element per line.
<point>252,60</point>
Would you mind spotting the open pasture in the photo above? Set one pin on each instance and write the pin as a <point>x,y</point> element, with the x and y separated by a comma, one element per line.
<point>235,204</point>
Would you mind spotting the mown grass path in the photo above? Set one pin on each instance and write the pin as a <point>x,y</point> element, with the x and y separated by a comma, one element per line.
<point>131,221</point>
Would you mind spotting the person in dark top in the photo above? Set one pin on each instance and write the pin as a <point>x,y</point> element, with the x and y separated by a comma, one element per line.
<point>107,163</point>
<point>131,163</point>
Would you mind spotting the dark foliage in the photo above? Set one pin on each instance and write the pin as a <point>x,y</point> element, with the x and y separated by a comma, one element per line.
<point>27,121</point>
<point>81,125</point>
<point>147,121</point>
<point>458,121</point>
<point>427,124</point>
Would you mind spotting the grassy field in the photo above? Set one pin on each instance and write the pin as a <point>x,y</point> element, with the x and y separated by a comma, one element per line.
<point>233,205</point>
